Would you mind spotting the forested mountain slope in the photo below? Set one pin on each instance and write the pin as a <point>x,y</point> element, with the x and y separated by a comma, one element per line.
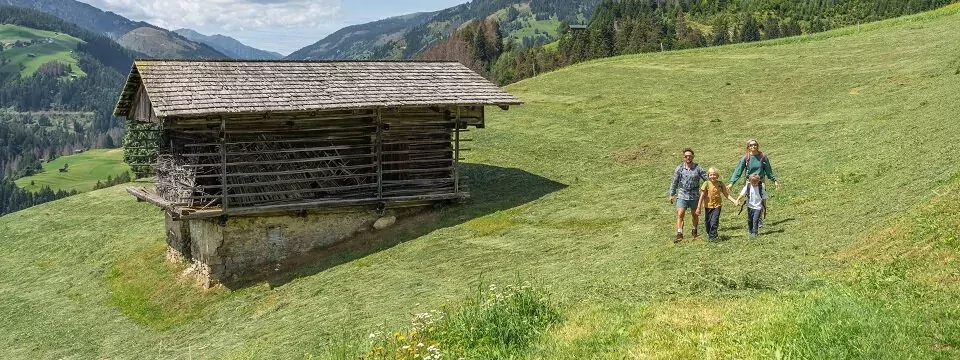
<point>405,37</point>
<point>66,104</point>
<point>143,37</point>
<point>360,41</point>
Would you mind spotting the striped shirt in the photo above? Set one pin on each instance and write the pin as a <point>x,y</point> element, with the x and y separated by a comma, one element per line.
<point>686,182</point>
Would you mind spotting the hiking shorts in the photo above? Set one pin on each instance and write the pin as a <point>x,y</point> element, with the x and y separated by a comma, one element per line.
<point>686,204</point>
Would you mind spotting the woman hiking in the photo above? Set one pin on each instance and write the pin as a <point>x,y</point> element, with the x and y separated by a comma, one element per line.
<point>754,162</point>
<point>685,191</point>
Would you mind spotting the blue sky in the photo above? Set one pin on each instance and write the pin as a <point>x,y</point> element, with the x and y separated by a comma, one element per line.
<point>283,26</point>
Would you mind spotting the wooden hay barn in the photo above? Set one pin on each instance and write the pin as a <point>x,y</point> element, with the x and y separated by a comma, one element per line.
<point>241,139</point>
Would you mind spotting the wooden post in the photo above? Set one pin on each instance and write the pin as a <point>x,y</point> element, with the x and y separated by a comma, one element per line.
<point>379,150</point>
<point>223,164</point>
<point>456,153</point>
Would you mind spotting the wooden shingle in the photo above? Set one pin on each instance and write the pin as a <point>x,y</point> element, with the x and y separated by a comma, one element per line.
<point>179,88</point>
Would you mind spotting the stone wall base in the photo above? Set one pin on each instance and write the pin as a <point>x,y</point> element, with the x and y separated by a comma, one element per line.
<point>249,247</point>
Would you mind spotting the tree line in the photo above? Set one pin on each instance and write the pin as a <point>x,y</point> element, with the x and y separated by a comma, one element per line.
<point>123,178</point>
<point>636,26</point>
<point>13,198</point>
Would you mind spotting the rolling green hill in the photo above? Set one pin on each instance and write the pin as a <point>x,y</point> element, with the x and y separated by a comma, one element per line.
<point>83,171</point>
<point>858,258</point>
<point>48,46</point>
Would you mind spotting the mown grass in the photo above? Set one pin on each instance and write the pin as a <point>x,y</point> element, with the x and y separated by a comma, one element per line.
<point>155,293</point>
<point>35,55</point>
<point>858,258</point>
<point>83,171</point>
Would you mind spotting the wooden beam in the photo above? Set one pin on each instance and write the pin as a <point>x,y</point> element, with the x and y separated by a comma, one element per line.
<point>283,182</point>
<point>419,170</point>
<point>281,141</point>
<point>224,202</point>
<point>284,192</point>
<point>398,200</point>
<point>456,154</point>
<point>290,172</point>
<point>285,151</point>
<point>279,162</point>
<point>146,195</point>
<point>379,153</point>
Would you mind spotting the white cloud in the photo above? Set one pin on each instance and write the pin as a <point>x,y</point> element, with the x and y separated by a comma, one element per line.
<point>229,15</point>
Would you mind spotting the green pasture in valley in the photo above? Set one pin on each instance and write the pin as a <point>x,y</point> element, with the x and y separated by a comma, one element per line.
<point>54,46</point>
<point>83,171</point>
<point>859,256</point>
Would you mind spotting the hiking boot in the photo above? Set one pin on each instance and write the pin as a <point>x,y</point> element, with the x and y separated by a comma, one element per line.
<point>694,233</point>
<point>679,237</point>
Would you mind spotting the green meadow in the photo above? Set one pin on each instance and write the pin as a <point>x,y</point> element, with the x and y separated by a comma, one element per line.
<point>859,256</point>
<point>59,49</point>
<point>83,171</point>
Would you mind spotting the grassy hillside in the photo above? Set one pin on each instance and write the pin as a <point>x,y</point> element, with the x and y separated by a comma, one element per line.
<point>84,170</point>
<point>53,47</point>
<point>859,257</point>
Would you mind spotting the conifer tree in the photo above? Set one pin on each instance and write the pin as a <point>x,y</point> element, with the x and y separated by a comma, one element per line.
<point>751,30</point>
<point>771,27</point>
<point>479,45</point>
<point>721,31</point>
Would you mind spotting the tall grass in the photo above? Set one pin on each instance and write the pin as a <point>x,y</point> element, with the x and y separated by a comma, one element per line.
<point>495,323</point>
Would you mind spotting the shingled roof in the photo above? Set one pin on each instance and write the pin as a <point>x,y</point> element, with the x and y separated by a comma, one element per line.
<point>196,87</point>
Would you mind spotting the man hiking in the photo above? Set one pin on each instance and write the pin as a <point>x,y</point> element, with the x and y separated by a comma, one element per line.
<point>685,191</point>
<point>754,162</point>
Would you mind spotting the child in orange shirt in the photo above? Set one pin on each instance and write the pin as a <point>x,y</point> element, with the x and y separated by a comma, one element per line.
<point>711,200</point>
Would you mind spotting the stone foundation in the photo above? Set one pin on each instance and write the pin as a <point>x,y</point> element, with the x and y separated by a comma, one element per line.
<point>245,247</point>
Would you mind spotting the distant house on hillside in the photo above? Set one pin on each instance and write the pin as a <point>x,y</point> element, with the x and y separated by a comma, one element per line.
<point>576,27</point>
<point>260,161</point>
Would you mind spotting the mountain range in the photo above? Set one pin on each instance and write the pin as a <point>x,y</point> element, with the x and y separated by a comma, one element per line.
<point>229,46</point>
<point>360,41</point>
<point>138,36</point>
<point>522,22</point>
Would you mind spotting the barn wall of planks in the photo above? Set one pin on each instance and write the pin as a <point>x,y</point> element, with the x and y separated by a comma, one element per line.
<point>245,164</point>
